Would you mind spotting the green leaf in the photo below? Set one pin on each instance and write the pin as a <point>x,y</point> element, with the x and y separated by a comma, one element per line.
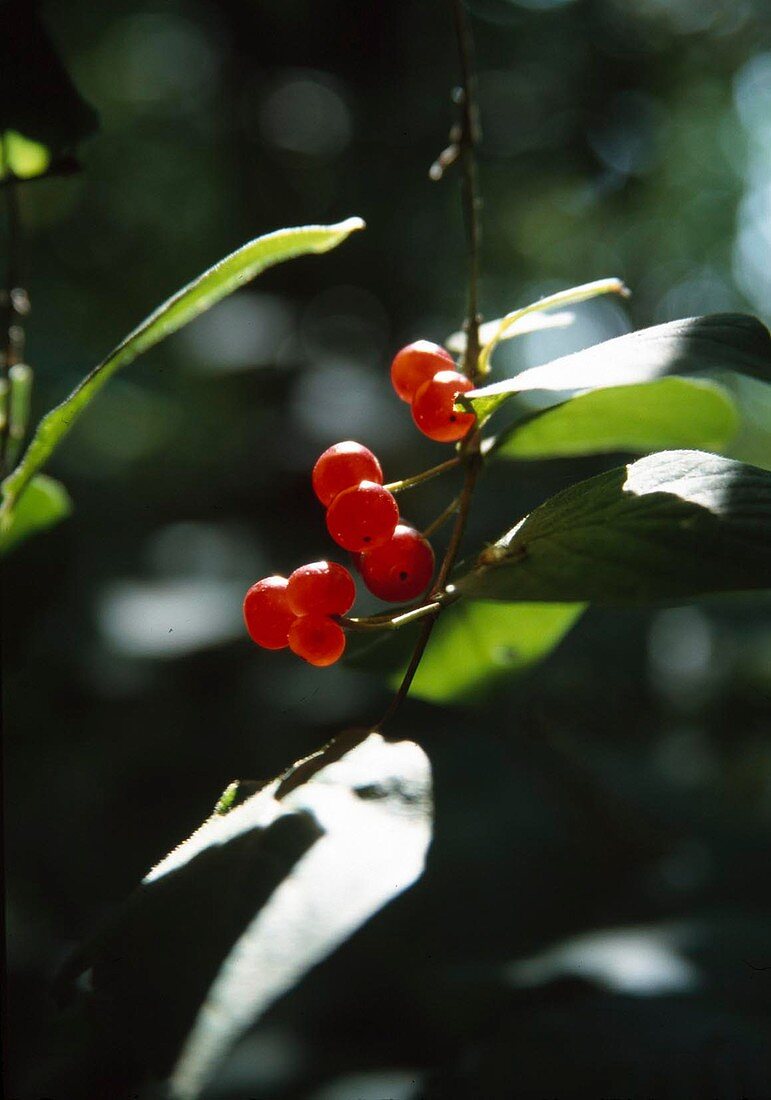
<point>228,275</point>
<point>721,341</point>
<point>670,526</point>
<point>263,891</point>
<point>45,503</point>
<point>475,644</point>
<point>672,412</point>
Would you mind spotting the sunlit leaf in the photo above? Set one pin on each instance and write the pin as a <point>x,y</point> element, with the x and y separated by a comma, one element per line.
<point>721,341</point>
<point>673,525</point>
<point>228,275</point>
<point>475,644</point>
<point>45,503</point>
<point>265,889</point>
<point>672,412</point>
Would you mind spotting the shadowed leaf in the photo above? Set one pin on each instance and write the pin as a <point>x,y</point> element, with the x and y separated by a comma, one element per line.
<point>670,526</point>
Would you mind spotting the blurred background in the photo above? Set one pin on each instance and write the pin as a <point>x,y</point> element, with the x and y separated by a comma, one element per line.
<point>595,916</point>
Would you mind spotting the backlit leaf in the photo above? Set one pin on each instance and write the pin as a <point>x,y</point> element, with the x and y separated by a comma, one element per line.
<point>672,412</point>
<point>476,644</point>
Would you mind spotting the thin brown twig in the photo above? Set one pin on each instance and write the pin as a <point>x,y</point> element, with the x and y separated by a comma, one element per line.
<point>409,675</point>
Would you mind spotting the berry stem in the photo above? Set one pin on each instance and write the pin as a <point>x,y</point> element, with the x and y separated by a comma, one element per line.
<point>426,475</point>
<point>395,622</point>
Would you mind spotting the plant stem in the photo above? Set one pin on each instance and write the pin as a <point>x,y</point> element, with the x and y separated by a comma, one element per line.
<point>392,622</point>
<point>469,136</point>
<point>426,475</point>
<point>470,453</point>
<point>409,675</point>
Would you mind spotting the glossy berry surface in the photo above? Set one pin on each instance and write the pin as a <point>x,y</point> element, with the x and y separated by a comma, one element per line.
<point>317,639</point>
<point>416,364</point>
<point>267,614</point>
<point>401,569</point>
<point>362,517</point>
<point>341,466</point>
<point>433,408</point>
<point>321,588</point>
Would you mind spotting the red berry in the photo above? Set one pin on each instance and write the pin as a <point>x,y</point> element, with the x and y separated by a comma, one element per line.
<point>342,466</point>
<point>416,364</point>
<point>401,569</point>
<point>317,639</point>
<point>363,516</point>
<point>433,408</point>
<point>267,614</point>
<point>321,588</point>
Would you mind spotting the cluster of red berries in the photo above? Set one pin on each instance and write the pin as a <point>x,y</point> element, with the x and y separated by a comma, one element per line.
<point>297,612</point>
<point>395,561</point>
<point>424,375</point>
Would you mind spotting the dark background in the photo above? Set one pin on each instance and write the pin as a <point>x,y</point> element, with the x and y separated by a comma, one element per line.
<point>625,783</point>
